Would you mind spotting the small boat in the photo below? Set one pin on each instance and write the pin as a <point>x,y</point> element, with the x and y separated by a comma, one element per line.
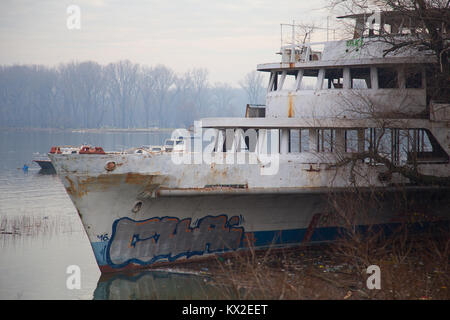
<point>45,164</point>
<point>43,161</point>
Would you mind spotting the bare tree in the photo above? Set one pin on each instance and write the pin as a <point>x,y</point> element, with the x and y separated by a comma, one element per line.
<point>122,94</point>
<point>147,85</point>
<point>253,86</point>
<point>123,88</point>
<point>164,79</point>
<point>223,96</point>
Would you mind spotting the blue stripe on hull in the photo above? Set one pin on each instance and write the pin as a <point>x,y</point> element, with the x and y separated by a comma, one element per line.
<point>263,239</point>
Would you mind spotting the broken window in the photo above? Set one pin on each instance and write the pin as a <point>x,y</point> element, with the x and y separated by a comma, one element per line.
<point>333,79</point>
<point>275,78</point>
<point>387,78</point>
<point>290,81</point>
<point>360,78</point>
<point>423,147</point>
<point>402,146</point>
<point>413,78</point>
<point>309,79</point>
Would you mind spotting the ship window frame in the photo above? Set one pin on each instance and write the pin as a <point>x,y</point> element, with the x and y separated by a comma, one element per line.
<point>356,74</point>
<point>403,146</point>
<point>274,82</point>
<point>385,81</point>
<point>325,143</point>
<point>292,81</point>
<point>410,82</point>
<point>351,144</point>
<point>423,147</point>
<point>301,144</point>
<point>329,73</point>
<point>307,75</point>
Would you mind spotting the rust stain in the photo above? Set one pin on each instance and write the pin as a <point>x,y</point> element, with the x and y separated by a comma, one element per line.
<point>105,181</point>
<point>71,189</point>
<point>135,178</point>
<point>291,107</point>
<point>74,191</point>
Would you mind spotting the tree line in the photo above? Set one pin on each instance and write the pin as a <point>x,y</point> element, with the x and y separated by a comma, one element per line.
<point>117,95</point>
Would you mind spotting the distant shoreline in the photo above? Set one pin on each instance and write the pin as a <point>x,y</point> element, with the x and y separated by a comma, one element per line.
<point>91,130</point>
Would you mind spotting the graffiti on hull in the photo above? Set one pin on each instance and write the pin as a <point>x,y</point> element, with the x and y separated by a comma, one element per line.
<point>169,238</point>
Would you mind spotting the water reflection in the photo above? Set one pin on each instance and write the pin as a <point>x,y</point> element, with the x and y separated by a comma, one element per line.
<point>47,171</point>
<point>156,285</point>
<point>40,231</point>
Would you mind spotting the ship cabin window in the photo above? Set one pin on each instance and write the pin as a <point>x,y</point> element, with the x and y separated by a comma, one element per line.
<point>413,78</point>
<point>360,78</point>
<point>273,82</point>
<point>283,80</point>
<point>351,141</point>
<point>299,140</point>
<point>309,80</point>
<point>325,140</point>
<point>334,79</point>
<point>423,147</point>
<point>290,81</point>
<point>401,146</point>
<point>387,78</point>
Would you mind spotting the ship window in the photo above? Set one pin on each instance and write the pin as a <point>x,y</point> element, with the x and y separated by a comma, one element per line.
<point>326,140</point>
<point>333,79</point>
<point>379,140</point>
<point>387,78</point>
<point>423,147</point>
<point>360,78</point>
<point>351,140</point>
<point>290,81</point>
<point>404,146</point>
<point>309,79</point>
<point>299,140</point>
<point>275,78</point>
<point>413,78</point>
<point>294,140</point>
<point>304,138</point>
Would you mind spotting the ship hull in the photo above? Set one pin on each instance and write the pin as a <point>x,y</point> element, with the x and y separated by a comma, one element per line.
<point>148,212</point>
<point>129,229</point>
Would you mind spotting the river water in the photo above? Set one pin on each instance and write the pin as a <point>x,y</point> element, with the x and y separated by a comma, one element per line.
<point>41,234</point>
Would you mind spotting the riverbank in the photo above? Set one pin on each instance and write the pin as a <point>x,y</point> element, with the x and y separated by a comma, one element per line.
<point>412,268</point>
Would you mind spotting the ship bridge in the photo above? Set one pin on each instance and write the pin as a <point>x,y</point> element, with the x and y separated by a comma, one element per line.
<point>350,78</point>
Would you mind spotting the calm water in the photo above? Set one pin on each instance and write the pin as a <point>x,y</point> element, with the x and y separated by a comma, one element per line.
<point>41,235</point>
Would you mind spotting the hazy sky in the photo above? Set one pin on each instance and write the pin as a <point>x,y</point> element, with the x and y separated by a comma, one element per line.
<point>228,37</point>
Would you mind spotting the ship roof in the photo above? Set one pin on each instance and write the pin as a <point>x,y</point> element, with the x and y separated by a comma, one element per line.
<point>332,122</point>
<point>396,17</point>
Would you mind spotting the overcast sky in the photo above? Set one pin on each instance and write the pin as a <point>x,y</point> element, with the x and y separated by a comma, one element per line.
<point>228,37</point>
